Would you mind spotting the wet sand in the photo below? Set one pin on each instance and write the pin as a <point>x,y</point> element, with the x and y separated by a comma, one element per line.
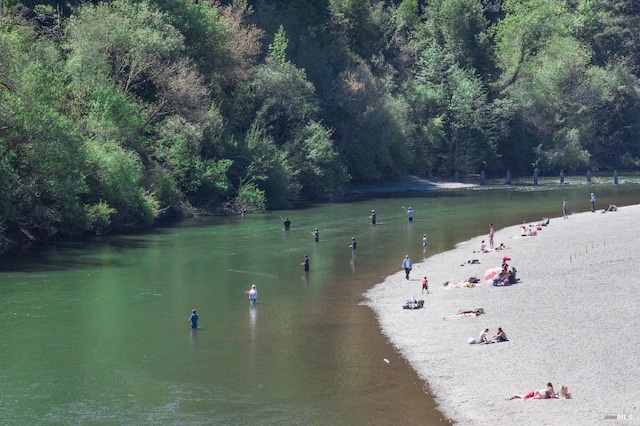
<point>571,320</point>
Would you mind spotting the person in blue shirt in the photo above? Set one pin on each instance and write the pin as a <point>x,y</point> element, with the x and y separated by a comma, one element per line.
<point>193,319</point>
<point>410,214</point>
<point>407,265</point>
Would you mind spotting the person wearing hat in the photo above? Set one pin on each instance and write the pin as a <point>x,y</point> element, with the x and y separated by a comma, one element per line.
<point>193,319</point>
<point>505,265</point>
<point>373,217</point>
<point>253,294</point>
<point>410,214</point>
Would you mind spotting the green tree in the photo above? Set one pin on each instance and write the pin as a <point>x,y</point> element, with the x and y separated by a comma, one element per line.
<point>609,26</point>
<point>116,181</point>
<point>455,124</point>
<point>268,168</point>
<point>128,43</point>
<point>317,169</point>
<point>459,27</point>
<point>528,26</point>
<point>285,98</point>
<point>354,23</point>
<point>42,156</point>
<point>368,126</point>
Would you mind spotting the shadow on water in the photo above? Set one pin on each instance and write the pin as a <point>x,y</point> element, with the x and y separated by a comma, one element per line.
<point>66,255</point>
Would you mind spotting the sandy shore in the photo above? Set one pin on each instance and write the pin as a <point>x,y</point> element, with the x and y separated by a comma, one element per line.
<point>573,320</point>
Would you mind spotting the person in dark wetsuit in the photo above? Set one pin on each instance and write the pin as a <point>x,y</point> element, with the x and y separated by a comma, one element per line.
<point>305,263</point>
<point>287,224</point>
<point>373,217</point>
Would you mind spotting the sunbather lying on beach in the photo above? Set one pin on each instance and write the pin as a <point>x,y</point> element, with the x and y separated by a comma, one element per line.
<point>536,394</point>
<point>476,311</point>
<point>466,314</point>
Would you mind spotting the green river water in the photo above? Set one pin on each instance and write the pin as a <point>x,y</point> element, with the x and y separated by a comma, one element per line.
<point>95,332</point>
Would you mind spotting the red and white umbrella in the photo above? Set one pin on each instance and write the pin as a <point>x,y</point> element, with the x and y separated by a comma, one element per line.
<point>491,273</point>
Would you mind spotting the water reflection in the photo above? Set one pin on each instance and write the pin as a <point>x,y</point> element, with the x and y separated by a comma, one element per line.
<point>194,337</point>
<point>253,318</point>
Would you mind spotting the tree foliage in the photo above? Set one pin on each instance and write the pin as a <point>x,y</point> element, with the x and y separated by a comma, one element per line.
<point>115,113</point>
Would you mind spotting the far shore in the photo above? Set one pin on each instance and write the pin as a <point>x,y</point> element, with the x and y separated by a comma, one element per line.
<point>571,320</point>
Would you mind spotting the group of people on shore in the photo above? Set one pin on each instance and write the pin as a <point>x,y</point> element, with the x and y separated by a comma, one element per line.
<point>506,276</point>
<point>484,249</point>
<point>482,339</point>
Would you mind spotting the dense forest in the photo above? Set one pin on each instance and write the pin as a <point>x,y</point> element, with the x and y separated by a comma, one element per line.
<point>114,114</point>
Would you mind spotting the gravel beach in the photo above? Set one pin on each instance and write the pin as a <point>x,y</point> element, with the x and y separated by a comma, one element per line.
<point>573,319</point>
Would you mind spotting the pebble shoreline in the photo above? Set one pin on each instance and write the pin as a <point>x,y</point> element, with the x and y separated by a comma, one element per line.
<point>573,320</point>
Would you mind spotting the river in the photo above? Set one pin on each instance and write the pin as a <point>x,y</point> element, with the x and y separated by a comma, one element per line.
<point>95,332</point>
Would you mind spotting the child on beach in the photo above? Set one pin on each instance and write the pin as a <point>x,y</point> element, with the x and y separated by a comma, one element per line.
<point>425,285</point>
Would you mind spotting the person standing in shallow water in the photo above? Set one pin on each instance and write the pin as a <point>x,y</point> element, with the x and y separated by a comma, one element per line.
<point>565,214</point>
<point>353,246</point>
<point>592,200</point>
<point>410,214</point>
<point>316,235</point>
<point>491,233</point>
<point>253,294</point>
<point>305,263</point>
<point>193,319</point>
<point>287,224</point>
<point>407,265</point>
<point>373,217</point>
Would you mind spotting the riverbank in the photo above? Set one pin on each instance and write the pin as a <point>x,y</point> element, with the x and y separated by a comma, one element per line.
<point>571,320</point>
<point>405,184</point>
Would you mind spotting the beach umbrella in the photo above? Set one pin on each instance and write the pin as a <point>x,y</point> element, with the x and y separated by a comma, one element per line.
<point>491,273</point>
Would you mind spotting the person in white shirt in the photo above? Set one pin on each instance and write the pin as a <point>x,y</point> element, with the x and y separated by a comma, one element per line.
<point>253,294</point>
